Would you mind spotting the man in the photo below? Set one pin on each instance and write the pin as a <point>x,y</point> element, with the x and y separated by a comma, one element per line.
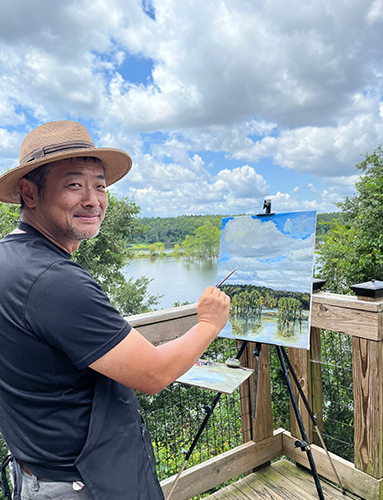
<point>69,363</point>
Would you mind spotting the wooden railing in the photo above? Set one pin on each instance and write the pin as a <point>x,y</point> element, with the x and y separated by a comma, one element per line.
<point>361,319</point>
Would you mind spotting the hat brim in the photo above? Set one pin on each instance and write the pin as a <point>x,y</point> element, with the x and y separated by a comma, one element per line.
<point>116,162</point>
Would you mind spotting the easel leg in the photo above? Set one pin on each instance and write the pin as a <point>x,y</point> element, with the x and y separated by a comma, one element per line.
<point>304,445</point>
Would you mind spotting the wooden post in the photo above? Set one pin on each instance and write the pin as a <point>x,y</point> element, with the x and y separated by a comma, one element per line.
<point>300,361</point>
<point>260,427</point>
<point>245,395</point>
<point>368,405</point>
<point>316,381</point>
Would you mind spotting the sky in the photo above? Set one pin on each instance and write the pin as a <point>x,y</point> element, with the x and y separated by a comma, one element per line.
<point>220,103</point>
<point>273,251</point>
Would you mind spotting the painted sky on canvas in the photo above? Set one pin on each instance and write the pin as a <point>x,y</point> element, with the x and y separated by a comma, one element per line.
<point>220,103</point>
<point>276,251</point>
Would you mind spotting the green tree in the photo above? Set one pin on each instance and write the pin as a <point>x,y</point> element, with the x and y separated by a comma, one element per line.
<point>353,248</point>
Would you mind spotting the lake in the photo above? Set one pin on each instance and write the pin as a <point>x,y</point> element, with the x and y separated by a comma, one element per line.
<point>176,278</point>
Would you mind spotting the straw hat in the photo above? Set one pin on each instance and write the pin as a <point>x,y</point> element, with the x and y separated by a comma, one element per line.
<point>56,141</point>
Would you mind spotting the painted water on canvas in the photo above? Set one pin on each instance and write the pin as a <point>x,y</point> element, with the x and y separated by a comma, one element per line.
<point>271,289</point>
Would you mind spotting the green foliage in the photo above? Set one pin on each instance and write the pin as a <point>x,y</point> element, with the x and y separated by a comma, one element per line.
<point>353,248</point>
<point>204,243</point>
<point>174,229</point>
<point>9,218</point>
<point>324,223</point>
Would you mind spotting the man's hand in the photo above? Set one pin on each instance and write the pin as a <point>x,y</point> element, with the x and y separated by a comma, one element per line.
<point>213,307</point>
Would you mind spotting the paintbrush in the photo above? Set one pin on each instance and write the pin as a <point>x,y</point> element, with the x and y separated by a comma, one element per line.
<point>228,276</point>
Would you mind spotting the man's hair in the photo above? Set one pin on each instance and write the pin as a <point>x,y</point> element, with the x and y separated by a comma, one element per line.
<point>39,175</point>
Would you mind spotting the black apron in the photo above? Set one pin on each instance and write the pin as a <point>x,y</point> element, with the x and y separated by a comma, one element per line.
<point>117,461</point>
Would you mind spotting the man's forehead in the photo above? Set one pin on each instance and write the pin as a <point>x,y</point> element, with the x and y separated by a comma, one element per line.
<point>73,166</point>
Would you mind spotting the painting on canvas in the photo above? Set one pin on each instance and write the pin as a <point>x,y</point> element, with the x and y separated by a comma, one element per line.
<point>271,289</point>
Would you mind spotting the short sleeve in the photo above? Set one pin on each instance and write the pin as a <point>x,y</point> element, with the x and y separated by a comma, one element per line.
<point>68,309</point>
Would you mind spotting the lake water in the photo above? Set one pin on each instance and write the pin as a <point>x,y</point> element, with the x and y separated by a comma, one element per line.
<point>177,279</point>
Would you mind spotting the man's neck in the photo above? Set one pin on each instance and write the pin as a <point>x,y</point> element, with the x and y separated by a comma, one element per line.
<point>28,218</point>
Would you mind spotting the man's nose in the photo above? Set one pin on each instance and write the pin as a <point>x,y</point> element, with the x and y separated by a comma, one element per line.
<point>90,198</point>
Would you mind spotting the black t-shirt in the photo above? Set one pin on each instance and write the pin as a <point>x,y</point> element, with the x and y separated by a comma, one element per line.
<point>55,321</point>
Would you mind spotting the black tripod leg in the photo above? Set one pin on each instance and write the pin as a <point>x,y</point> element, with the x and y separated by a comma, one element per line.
<point>305,444</point>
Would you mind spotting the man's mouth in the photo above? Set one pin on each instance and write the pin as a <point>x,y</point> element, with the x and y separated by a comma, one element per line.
<point>88,217</point>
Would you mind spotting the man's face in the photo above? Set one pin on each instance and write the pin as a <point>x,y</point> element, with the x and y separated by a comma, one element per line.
<point>74,202</point>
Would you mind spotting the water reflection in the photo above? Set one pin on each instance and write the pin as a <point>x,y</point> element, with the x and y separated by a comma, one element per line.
<point>269,329</point>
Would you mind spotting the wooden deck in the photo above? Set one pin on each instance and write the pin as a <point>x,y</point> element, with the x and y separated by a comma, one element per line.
<point>281,480</point>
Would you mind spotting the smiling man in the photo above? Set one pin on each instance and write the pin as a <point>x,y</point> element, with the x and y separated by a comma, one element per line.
<point>69,363</point>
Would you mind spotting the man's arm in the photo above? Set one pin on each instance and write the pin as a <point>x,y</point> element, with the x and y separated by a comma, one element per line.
<point>136,363</point>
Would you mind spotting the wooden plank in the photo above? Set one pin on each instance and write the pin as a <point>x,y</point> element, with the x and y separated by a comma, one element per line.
<point>353,480</point>
<point>316,380</point>
<point>283,486</point>
<point>347,301</point>
<point>162,326</point>
<point>245,398</point>
<point>355,322</point>
<point>262,424</point>
<point>281,480</point>
<point>162,315</point>
<point>368,410</point>
<point>300,361</point>
<point>305,480</point>
<point>217,470</point>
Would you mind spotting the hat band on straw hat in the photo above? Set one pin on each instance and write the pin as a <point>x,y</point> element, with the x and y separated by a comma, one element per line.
<point>55,148</point>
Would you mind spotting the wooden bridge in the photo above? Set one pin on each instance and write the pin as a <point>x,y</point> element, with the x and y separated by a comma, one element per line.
<point>360,318</point>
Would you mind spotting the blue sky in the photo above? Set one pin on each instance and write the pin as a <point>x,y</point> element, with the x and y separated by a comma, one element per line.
<point>220,103</point>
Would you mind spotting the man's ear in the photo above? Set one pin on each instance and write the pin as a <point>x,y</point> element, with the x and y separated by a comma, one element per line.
<point>28,191</point>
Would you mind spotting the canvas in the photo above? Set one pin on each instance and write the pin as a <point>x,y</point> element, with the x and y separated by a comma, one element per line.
<point>271,289</point>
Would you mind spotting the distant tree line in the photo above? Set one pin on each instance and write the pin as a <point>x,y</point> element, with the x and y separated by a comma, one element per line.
<point>173,229</point>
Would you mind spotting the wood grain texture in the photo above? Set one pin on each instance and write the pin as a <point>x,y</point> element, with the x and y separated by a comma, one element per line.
<point>368,411</point>
<point>262,424</point>
<point>162,326</point>
<point>354,480</point>
<point>280,481</point>
<point>245,398</point>
<point>216,471</point>
<point>300,361</point>
<point>347,301</point>
<point>316,380</point>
